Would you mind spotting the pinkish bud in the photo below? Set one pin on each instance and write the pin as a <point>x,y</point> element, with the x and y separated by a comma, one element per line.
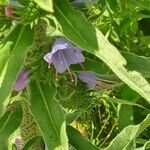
<point>9,12</point>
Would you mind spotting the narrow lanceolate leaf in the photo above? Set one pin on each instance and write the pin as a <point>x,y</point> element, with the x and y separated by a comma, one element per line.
<point>45,4</point>
<point>128,134</point>
<point>78,141</point>
<point>48,115</point>
<point>6,49</point>
<point>9,122</point>
<point>75,27</point>
<point>4,53</point>
<point>15,61</point>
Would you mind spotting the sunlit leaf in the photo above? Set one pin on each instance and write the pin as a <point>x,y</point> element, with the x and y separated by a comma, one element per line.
<point>45,4</point>
<point>4,53</point>
<point>48,115</point>
<point>128,134</point>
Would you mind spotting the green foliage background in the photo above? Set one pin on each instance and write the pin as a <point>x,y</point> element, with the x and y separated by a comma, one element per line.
<point>115,38</point>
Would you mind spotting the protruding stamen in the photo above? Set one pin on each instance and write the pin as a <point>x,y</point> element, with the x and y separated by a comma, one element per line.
<point>82,66</point>
<point>49,66</point>
<point>70,74</point>
<point>65,61</point>
<point>56,76</point>
<point>103,84</point>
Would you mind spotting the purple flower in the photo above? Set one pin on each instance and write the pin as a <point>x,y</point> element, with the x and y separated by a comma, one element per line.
<point>63,54</point>
<point>21,81</point>
<point>90,78</point>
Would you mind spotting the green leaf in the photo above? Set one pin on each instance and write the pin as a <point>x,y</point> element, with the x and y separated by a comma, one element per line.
<point>9,122</point>
<point>97,66</point>
<point>48,115</point>
<point>125,116</point>
<point>76,28</point>
<point>124,24</point>
<point>112,4</point>
<point>31,142</point>
<point>146,146</point>
<point>128,134</point>
<point>6,47</point>
<point>138,63</point>
<point>16,60</point>
<point>78,141</point>
<point>4,53</point>
<point>129,94</point>
<point>2,2</point>
<point>12,35</point>
<point>125,112</point>
<point>125,102</point>
<point>45,4</point>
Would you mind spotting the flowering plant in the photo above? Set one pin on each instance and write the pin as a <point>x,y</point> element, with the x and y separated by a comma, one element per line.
<point>74,74</point>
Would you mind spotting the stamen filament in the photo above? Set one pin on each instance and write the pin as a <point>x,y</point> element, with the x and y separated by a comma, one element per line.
<point>65,61</point>
<point>56,76</point>
<point>49,65</point>
<point>82,66</point>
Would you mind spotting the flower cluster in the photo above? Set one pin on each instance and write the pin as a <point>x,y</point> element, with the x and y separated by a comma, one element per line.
<point>64,54</point>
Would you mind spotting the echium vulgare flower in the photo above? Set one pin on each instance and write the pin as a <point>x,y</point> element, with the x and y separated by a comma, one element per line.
<point>64,54</point>
<point>21,81</point>
<point>90,78</point>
